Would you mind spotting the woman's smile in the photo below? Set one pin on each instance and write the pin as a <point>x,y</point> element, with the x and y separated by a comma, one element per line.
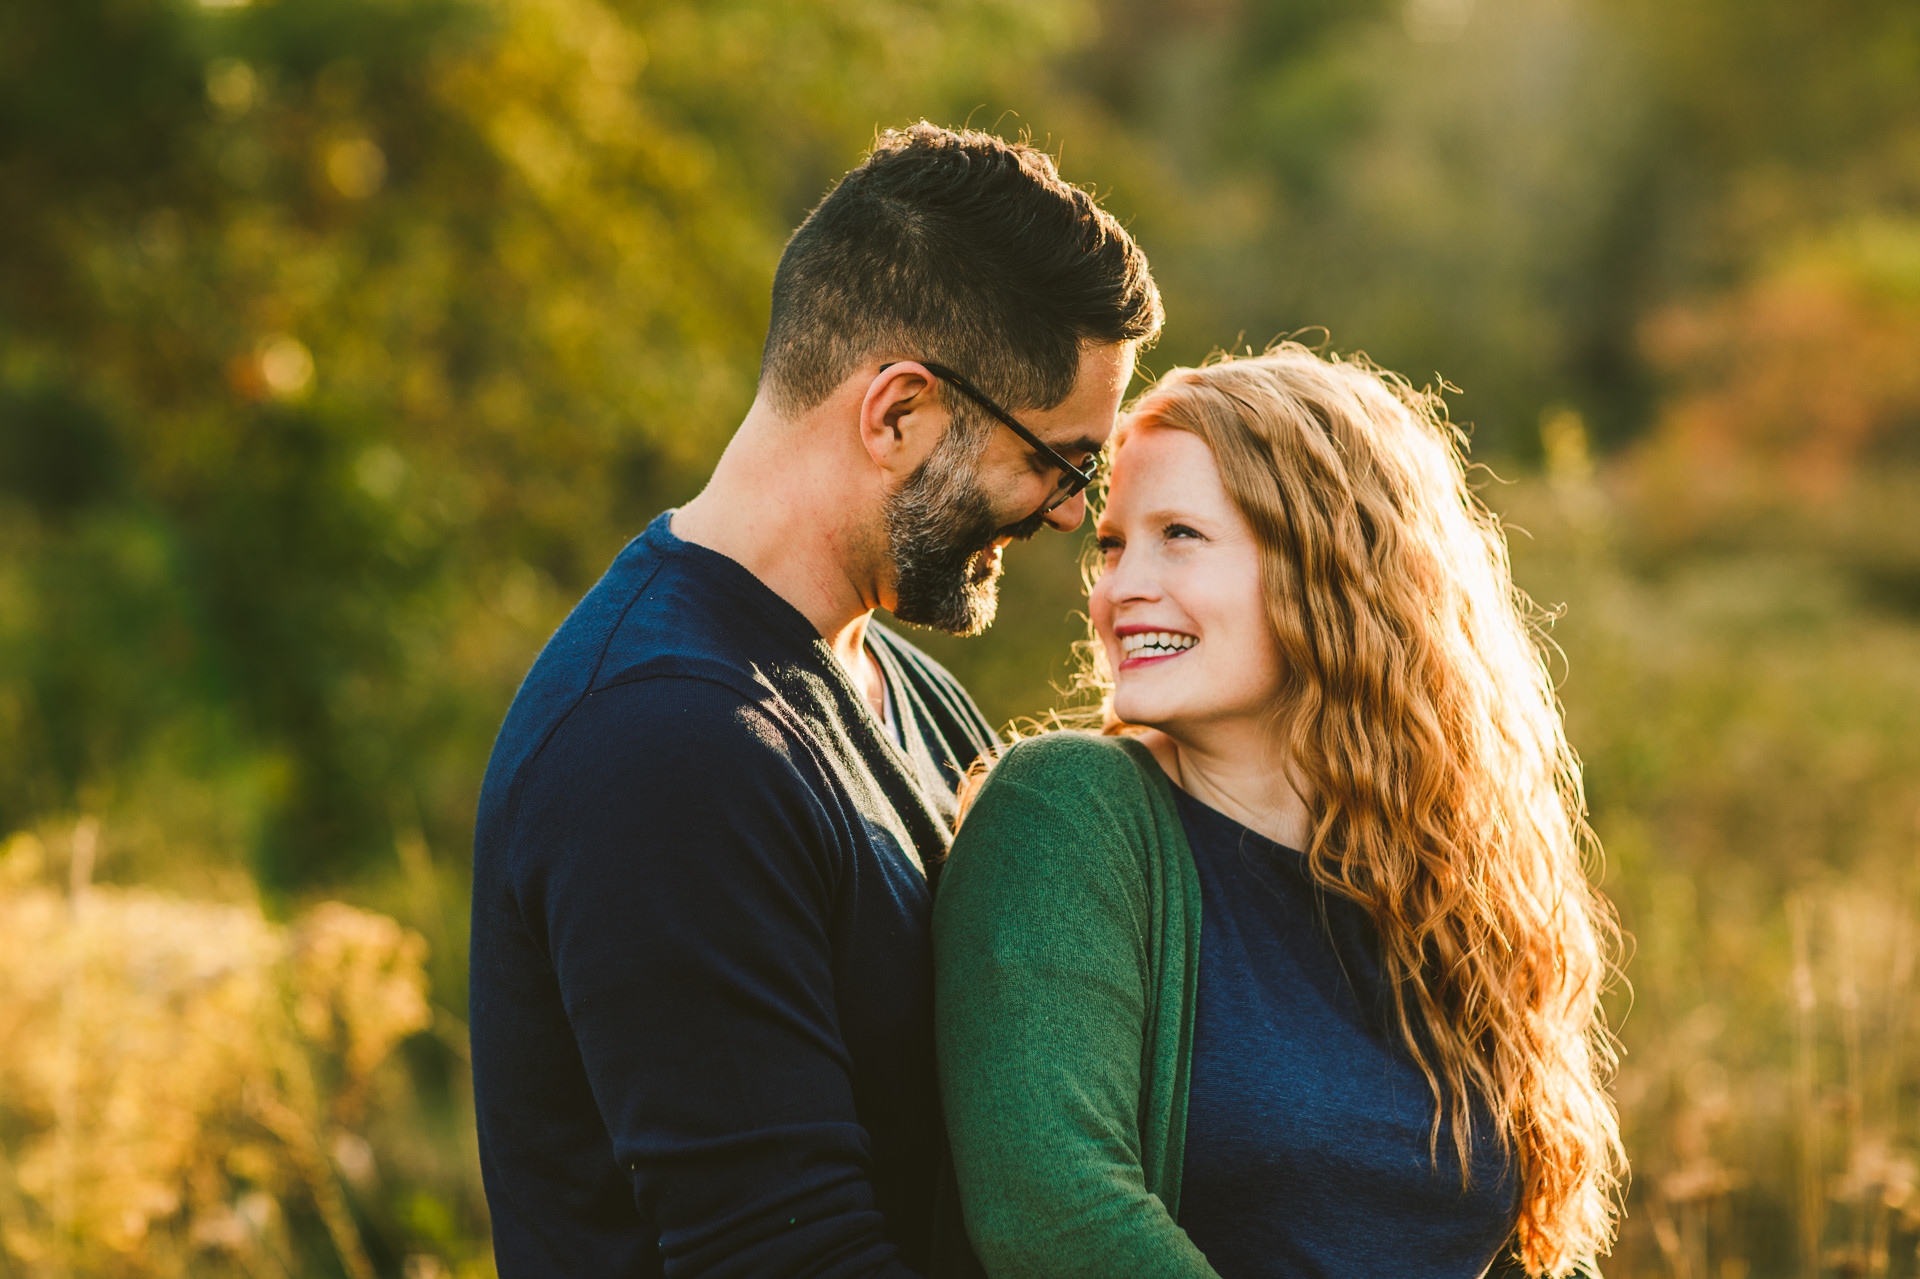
<point>1144,645</point>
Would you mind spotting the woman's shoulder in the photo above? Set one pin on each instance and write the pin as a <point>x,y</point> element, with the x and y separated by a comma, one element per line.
<point>1060,812</point>
<point>1098,785</point>
<point>1073,760</point>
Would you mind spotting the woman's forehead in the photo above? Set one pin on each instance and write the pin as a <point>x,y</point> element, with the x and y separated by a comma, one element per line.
<point>1159,465</point>
<point>1160,445</point>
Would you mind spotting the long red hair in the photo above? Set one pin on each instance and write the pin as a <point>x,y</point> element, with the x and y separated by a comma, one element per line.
<point>1418,709</point>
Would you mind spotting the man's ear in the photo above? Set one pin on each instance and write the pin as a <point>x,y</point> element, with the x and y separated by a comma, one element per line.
<point>901,418</point>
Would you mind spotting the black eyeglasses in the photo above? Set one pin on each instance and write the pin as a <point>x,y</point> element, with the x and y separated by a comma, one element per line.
<point>1072,478</point>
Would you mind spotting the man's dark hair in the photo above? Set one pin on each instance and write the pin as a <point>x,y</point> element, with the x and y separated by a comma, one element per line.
<point>958,247</point>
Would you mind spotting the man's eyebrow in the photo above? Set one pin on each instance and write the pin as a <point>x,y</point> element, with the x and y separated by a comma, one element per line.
<point>1085,444</point>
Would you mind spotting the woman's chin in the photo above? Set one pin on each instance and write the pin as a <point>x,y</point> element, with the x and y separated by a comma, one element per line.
<point>1141,712</point>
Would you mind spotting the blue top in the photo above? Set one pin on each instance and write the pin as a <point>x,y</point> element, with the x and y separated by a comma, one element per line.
<point>701,975</point>
<point>1307,1121</point>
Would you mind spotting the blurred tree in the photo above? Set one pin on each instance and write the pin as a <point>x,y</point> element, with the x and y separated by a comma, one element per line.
<point>1496,191</point>
<point>1435,182</point>
<point>342,342</point>
<point>1785,389</point>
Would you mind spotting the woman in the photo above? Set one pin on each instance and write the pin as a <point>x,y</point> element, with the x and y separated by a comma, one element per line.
<point>1294,971</point>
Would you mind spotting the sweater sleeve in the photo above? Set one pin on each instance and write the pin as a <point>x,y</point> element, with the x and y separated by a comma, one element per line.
<point>1042,1000</point>
<point>680,883</point>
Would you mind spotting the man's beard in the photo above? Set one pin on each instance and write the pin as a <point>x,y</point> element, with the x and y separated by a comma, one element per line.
<point>940,534</point>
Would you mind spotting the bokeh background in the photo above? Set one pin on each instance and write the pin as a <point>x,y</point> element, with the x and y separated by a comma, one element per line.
<point>343,342</point>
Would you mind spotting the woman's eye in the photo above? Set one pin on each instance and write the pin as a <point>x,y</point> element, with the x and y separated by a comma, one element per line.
<point>1182,530</point>
<point>1108,545</point>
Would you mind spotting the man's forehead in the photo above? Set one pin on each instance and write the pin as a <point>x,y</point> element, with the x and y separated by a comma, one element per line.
<point>1105,372</point>
<point>1117,357</point>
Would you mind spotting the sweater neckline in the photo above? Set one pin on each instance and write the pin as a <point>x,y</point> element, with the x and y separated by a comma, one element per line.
<point>1198,812</point>
<point>660,537</point>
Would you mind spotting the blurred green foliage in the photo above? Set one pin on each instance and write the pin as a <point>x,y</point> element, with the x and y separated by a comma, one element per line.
<point>342,343</point>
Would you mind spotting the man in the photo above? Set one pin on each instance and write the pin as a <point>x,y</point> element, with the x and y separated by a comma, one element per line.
<point>701,977</point>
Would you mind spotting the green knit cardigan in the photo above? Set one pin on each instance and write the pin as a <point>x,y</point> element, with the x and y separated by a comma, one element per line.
<point>1066,938</point>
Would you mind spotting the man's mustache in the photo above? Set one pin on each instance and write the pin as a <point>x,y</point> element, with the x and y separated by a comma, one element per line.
<point>1025,529</point>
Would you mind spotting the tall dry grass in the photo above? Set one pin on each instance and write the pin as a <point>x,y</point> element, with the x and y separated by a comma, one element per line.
<point>185,1082</point>
<point>1745,689</point>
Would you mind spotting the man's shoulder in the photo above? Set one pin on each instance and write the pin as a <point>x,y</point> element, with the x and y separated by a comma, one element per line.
<point>657,651</point>
<point>682,735</point>
<point>673,704</point>
<point>639,768</point>
<point>683,616</point>
<point>665,601</point>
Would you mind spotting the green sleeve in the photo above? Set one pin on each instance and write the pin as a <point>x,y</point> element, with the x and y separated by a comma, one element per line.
<point>1042,943</point>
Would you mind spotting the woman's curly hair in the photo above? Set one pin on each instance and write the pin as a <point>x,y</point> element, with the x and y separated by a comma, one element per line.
<point>1417,708</point>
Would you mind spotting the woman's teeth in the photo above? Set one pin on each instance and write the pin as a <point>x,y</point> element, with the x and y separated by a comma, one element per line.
<point>1155,644</point>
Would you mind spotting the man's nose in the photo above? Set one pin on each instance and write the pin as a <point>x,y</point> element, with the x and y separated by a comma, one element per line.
<point>1066,517</point>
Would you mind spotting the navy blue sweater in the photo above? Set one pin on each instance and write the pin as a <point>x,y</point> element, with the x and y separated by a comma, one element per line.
<point>701,987</point>
<point>1307,1120</point>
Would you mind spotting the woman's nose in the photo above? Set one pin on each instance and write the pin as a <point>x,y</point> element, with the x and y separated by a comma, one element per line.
<point>1127,578</point>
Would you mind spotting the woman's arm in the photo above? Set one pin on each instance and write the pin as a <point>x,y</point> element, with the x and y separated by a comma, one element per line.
<point>1042,946</point>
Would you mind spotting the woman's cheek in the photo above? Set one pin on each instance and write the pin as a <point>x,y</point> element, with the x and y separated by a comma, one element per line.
<point>1102,614</point>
